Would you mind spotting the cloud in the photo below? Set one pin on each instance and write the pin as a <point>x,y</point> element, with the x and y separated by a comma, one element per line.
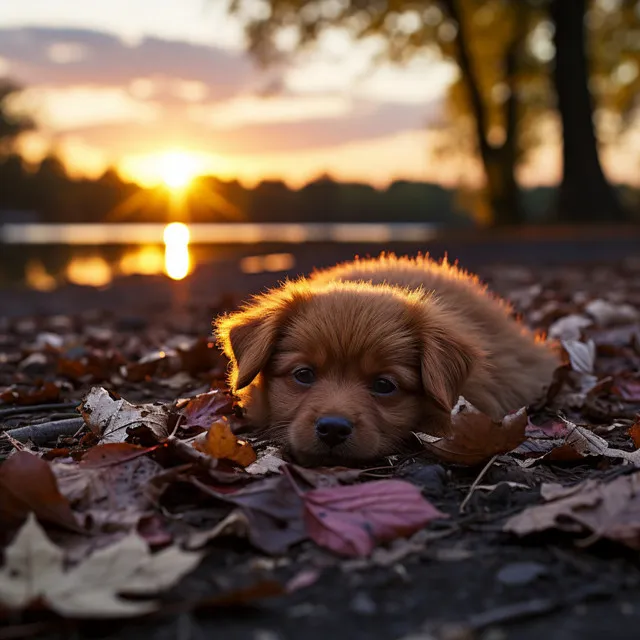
<point>64,109</point>
<point>155,94</point>
<point>365,120</point>
<point>63,57</point>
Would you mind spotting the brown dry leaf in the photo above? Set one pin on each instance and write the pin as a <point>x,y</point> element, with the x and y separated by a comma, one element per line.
<point>110,418</point>
<point>109,489</point>
<point>28,485</point>
<point>35,571</point>
<point>585,442</point>
<point>605,510</point>
<point>22,395</point>
<point>475,437</point>
<point>220,443</point>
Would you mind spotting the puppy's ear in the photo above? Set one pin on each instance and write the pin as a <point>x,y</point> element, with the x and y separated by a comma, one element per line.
<point>248,337</point>
<point>448,355</point>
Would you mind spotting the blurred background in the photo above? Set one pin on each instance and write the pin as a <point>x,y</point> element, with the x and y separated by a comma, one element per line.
<point>225,144</point>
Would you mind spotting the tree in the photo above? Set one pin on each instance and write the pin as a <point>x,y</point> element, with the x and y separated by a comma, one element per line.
<point>584,192</point>
<point>12,122</point>
<point>449,29</point>
<point>503,87</point>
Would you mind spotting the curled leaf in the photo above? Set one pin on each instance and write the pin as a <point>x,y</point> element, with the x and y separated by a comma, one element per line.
<point>219,442</point>
<point>475,437</point>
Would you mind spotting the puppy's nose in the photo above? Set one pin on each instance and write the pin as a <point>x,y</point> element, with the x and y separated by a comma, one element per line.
<point>333,430</point>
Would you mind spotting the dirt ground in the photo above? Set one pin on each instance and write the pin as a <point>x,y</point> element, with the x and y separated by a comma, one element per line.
<point>460,578</point>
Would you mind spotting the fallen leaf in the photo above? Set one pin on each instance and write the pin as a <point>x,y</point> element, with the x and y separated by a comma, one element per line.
<point>109,418</point>
<point>111,491</point>
<point>28,485</point>
<point>204,409</point>
<point>569,327</point>
<point>220,443</point>
<point>475,437</point>
<point>113,453</point>
<point>273,510</point>
<point>235,524</point>
<point>634,432</point>
<point>34,572</point>
<point>603,509</point>
<point>22,395</point>
<point>268,462</point>
<point>353,520</point>
<point>586,442</point>
<point>324,477</point>
<point>582,355</point>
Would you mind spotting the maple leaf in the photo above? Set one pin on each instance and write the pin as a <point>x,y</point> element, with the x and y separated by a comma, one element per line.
<point>109,418</point>
<point>219,442</point>
<point>34,572</point>
<point>352,520</point>
<point>475,437</point>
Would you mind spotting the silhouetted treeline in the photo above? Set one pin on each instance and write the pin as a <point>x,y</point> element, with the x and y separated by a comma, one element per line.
<point>47,194</point>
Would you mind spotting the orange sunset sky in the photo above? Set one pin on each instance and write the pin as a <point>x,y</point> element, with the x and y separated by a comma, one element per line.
<point>126,81</point>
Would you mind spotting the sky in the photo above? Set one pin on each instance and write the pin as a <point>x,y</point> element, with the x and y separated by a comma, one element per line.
<point>125,82</point>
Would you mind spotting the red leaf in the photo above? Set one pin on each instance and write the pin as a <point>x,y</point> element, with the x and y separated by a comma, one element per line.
<point>105,455</point>
<point>634,432</point>
<point>203,409</point>
<point>352,520</point>
<point>27,485</point>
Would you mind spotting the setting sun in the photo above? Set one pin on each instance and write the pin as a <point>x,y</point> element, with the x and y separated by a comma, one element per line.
<point>177,169</point>
<point>174,169</point>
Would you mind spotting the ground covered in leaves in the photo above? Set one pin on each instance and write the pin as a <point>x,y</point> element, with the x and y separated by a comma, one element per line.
<point>134,504</point>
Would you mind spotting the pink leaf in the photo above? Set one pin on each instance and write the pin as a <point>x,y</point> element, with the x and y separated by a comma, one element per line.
<point>352,520</point>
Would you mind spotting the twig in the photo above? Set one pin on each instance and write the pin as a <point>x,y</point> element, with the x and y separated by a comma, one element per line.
<point>34,408</point>
<point>476,482</point>
<point>45,432</point>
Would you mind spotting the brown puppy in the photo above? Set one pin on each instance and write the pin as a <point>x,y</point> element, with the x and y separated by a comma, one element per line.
<point>341,366</point>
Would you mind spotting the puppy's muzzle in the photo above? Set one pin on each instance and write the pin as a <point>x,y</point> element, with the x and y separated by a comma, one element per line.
<point>333,430</point>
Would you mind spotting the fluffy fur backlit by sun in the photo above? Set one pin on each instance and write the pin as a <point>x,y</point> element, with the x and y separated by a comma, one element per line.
<point>340,367</point>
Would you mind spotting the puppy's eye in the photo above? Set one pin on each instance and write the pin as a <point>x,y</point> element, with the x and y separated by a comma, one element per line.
<point>383,386</point>
<point>304,375</point>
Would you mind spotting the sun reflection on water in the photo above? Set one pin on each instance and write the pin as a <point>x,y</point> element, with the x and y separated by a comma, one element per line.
<point>146,261</point>
<point>176,254</point>
<point>90,271</point>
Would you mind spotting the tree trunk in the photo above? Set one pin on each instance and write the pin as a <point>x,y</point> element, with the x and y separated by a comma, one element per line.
<point>498,162</point>
<point>584,194</point>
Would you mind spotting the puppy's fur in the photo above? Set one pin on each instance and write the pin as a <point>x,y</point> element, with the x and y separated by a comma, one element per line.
<point>429,327</point>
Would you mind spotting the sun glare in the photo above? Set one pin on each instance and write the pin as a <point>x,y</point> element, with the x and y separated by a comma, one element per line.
<point>176,253</point>
<point>177,169</point>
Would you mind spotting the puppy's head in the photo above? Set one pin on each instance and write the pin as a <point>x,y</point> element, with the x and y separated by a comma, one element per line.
<point>342,373</point>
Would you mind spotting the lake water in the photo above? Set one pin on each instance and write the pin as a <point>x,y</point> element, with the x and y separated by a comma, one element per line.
<point>43,256</point>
